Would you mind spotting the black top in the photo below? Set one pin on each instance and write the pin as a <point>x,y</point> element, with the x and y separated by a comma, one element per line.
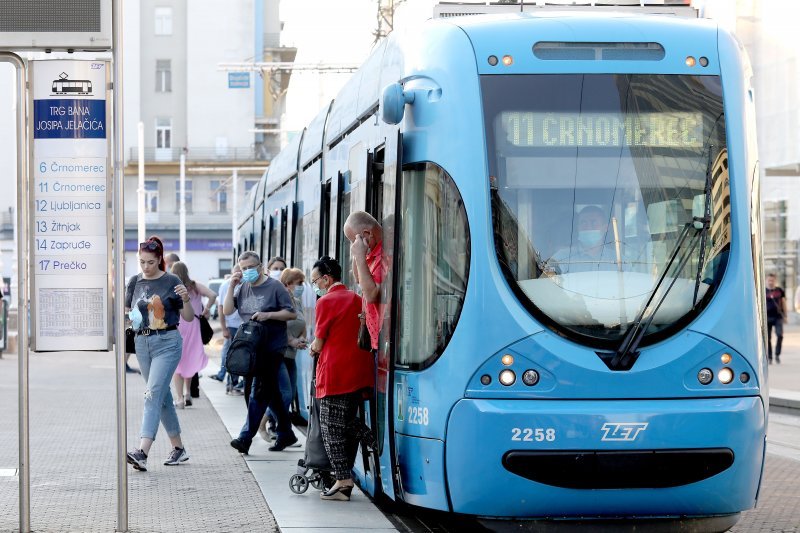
<point>156,300</point>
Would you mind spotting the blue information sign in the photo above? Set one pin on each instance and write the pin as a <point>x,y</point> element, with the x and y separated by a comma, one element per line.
<point>238,80</point>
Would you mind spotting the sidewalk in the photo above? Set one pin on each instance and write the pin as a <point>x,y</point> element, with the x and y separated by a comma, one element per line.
<point>784,378</point>
<point>73,457</point>
<point>294,513</point>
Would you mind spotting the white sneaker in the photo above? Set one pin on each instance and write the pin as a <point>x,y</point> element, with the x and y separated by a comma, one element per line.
<point>176,456</point>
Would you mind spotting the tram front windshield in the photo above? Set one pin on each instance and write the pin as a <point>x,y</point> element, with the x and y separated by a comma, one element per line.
<point>610,198</point>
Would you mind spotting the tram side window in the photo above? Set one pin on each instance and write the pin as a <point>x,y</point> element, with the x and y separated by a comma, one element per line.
<point>433,264</point>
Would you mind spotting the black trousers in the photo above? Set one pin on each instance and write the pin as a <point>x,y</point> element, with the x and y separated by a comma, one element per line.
<point>776,323</point>
<point>262,391</point>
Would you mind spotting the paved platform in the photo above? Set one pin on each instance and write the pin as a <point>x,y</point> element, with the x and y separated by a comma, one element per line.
<point>784,378</point>
<point>73,457</point>
<point>294,513</point>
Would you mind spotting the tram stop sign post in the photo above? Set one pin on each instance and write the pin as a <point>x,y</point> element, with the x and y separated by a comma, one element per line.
<point>70,203</point>
<point>68,178</point>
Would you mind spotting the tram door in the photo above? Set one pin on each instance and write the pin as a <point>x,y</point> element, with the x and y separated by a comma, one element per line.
<point>381,200</point>
<point>325,218</point>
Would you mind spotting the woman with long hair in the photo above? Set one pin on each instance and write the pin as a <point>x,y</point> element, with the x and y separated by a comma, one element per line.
<point>193,357</point>
<point>157,301</point>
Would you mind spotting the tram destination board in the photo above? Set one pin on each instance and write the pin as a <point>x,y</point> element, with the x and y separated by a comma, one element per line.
<point>69,203</point>
<point>55,24</point>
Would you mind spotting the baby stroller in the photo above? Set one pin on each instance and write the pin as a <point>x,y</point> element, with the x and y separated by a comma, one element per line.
<point>315,468</point>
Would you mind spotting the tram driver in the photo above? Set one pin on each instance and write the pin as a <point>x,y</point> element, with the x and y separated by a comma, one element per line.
<point>594,248</point>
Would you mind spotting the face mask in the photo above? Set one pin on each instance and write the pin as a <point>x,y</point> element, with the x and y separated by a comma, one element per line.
<point>298,291</point>
<point>590,238</point>
<point>275,274</point>
<point>320,292</point>
<point>136,317</point>
<point>250,275</point>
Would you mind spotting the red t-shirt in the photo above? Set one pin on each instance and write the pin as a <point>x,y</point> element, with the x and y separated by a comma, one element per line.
<point>374,311</point>
<point>342,367</point>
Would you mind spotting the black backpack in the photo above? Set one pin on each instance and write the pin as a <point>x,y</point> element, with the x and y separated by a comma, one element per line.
<point>241,358</point>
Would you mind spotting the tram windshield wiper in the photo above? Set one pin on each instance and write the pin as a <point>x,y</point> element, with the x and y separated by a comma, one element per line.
<point>626,354</point>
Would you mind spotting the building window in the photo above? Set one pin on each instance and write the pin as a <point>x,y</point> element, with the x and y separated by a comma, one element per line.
<point>163,133</point>
<point>163,21</point>
<point>163,76</point>
<point>151,196</point>
<point>187,195</point>
<point>219,197</point>
<point>224,266</point>
<point>249,184</point>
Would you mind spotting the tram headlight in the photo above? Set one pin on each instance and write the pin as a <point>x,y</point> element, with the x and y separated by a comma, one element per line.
<point>726,358</point>
<point>744,377</point>
<point>690,61</point>
<point>507,359</point>
<point>726,375</point>
<point>492,60</point>
<point>508,60</point>
<point>507,377</point>
<point>486,379</point>
<point>705,376</point>
<point>530,377</point>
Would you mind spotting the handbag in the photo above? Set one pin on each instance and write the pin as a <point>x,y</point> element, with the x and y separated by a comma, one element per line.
<point>241,358</point>
<point>130,340</point>
<point>364,339</point>
<point>206,332</point>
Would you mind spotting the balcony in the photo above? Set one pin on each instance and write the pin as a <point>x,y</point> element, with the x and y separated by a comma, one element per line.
<point>210,154</point>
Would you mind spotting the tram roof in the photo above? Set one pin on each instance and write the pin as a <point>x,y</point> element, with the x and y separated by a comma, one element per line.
<point>516,33</point>
<point>284,165</point>
<point>582,26</point>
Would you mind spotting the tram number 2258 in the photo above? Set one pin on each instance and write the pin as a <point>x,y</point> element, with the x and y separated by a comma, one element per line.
<point>533,434</point>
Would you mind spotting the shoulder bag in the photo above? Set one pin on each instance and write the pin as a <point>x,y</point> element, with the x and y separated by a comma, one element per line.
<point>130,340</point>
<point>206,332</point>
<point>364,339</point>
<point>130,335</point>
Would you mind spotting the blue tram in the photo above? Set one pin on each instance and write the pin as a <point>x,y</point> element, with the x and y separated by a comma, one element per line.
<point>573,314</point>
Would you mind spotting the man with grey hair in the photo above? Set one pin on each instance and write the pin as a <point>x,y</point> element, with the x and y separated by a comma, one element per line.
<point>369,267</point>
<point>258,297</point>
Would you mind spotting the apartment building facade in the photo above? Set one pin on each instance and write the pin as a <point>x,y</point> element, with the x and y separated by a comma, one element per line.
<point>191,109</point>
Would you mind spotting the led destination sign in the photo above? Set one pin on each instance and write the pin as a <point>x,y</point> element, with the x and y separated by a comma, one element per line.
<point>566,130</point>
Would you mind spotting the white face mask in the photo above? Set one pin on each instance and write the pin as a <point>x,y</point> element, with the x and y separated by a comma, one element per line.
<point>275,274</point>
<point>590,238</point>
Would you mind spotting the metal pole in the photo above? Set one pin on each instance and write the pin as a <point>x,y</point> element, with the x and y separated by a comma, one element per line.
<point>182,212</point>
<point>22,290</point>
<point>234,207</point>
<point>119,273</point>
<point>140,190</point>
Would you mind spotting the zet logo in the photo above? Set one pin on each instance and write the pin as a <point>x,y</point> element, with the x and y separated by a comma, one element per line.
<point>622,431</point>
<point>64,85</point>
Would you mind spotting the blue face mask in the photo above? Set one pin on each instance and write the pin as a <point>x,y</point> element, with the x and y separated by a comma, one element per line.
<point>136,317</point>
<point>250,275</point>
<point>590,238</point>
<point>298,291</point>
